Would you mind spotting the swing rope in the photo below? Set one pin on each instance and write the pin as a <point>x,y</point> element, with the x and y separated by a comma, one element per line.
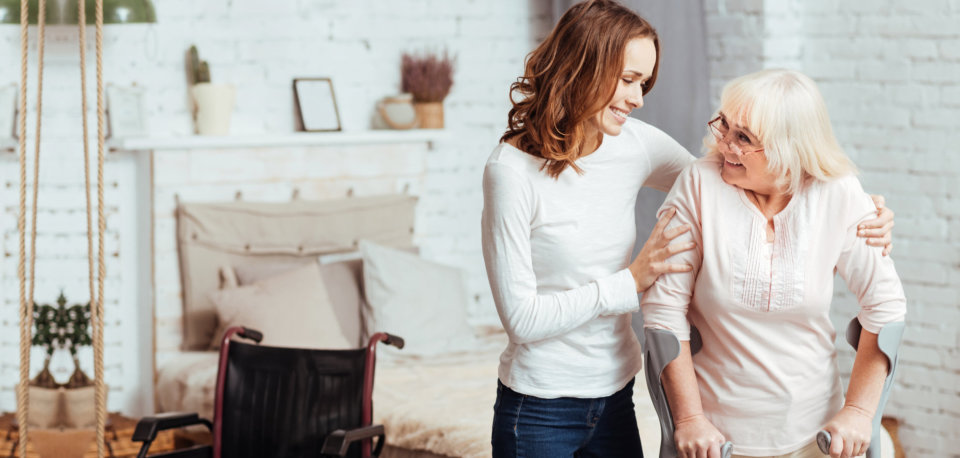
<point>26,301</point>
<point>82,20</point>
<point>96,296</point>
<point>96,301</point>
<point>97,315</point>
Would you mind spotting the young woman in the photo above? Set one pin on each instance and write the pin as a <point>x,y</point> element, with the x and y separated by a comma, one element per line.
<point>558,229</point>
<point>774,210</point>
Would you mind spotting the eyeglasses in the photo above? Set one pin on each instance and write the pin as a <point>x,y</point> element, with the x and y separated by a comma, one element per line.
<point>740,140</point>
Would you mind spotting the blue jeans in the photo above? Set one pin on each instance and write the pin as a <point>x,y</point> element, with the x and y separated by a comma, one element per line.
<point>529,427</point>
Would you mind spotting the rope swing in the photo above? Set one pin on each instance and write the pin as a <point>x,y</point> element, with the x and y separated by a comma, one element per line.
<point>96,300</point>
<point>26,302</point>
<point>96,296</point>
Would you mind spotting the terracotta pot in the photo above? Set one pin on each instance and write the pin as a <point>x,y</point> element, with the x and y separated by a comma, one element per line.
<point>430,114</point>
<point>45,407</point>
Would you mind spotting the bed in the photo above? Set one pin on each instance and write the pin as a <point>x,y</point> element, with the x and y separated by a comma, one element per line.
<point>441,407</point>
<point>430,406</point>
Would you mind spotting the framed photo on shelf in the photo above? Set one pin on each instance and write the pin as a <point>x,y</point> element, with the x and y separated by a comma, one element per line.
<point>316,104</point>
<point>125,117</point>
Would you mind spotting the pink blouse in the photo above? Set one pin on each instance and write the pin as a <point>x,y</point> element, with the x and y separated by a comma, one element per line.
<point>768,373</point>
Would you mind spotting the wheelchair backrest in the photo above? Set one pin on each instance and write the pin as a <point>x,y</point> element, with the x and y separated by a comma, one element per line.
<point>283,402</point>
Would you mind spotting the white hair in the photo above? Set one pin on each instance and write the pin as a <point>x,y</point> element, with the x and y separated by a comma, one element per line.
<point>786,112</point>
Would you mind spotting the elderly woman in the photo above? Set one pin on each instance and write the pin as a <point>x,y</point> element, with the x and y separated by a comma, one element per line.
<point>774,209</point>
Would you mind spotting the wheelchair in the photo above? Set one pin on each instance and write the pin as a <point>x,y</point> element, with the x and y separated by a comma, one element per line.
<point>283,402</point>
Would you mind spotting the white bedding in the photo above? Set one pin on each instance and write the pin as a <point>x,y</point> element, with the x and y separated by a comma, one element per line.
<point>445,405</point>
<point>187,383</point>
<point>441,405</point>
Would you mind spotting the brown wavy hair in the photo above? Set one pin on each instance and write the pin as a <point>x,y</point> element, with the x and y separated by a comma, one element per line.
<point>570,77</point>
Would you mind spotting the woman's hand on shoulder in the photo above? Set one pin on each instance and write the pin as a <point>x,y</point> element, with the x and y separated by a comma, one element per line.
<point>877,231</point>
<point>696,437</point>
<point>650,263</point>
<point>850,431</point>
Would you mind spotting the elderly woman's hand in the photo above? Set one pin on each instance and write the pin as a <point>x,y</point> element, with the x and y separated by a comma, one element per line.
<point>849,432</point>
<point>649,263</point>
<point>877,230</point>
<point>696,437</point>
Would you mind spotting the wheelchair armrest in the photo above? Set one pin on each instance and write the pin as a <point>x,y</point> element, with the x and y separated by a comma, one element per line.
<point>396,341</point>
<point>148,427</point>
<point>339,441</point>
<point>386,338</point>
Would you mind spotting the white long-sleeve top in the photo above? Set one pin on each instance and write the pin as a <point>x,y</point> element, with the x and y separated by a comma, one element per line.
<point>767,373</point>
<point>556,252</point>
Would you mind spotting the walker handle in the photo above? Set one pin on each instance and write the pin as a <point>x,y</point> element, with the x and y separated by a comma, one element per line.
<point>725,449</point>
<point>823,441</point>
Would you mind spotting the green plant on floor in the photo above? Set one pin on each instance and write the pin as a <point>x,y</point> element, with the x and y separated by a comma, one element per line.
<point>61,327</point>
<point>45,325</point>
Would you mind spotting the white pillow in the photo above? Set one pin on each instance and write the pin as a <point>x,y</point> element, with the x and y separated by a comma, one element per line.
<point>423,302</point>
<point>291,309</point>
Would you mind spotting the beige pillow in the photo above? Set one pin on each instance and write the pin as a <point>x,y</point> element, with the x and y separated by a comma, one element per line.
<point>228,278</point>
<point>344,282</point>
<point>291,309</point>
<point>342,279</point>
<point>254,272</point>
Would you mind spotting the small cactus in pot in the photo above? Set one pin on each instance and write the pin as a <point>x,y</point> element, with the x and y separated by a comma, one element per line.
<point>212,103</point>
<point>198,70</point>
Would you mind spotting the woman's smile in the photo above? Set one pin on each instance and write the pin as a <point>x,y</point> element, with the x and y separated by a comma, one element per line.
<point>619,115</point>
<point>732,163</point>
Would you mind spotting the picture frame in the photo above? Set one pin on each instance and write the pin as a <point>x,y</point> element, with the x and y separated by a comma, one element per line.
<point>316,105</point>
<point>124,111</point>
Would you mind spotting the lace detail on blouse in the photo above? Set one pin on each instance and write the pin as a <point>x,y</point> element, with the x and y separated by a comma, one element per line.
<point>770,276</point>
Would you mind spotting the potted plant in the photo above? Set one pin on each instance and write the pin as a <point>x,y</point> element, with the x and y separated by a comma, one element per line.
<point>71,404</point>
<point>429,78</point>
<point>79,406</point>
<point>213,103</point>
<point>45,400</point>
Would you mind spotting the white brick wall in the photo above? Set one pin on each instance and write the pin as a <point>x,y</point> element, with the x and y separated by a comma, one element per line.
<point>890,73</point>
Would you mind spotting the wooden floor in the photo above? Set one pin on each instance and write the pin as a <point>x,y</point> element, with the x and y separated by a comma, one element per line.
<point>118,436</point>
<point>186,439</point>
<point>45,443</point>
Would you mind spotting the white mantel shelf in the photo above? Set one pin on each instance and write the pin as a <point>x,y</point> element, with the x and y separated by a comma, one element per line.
<point>292,139</point>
